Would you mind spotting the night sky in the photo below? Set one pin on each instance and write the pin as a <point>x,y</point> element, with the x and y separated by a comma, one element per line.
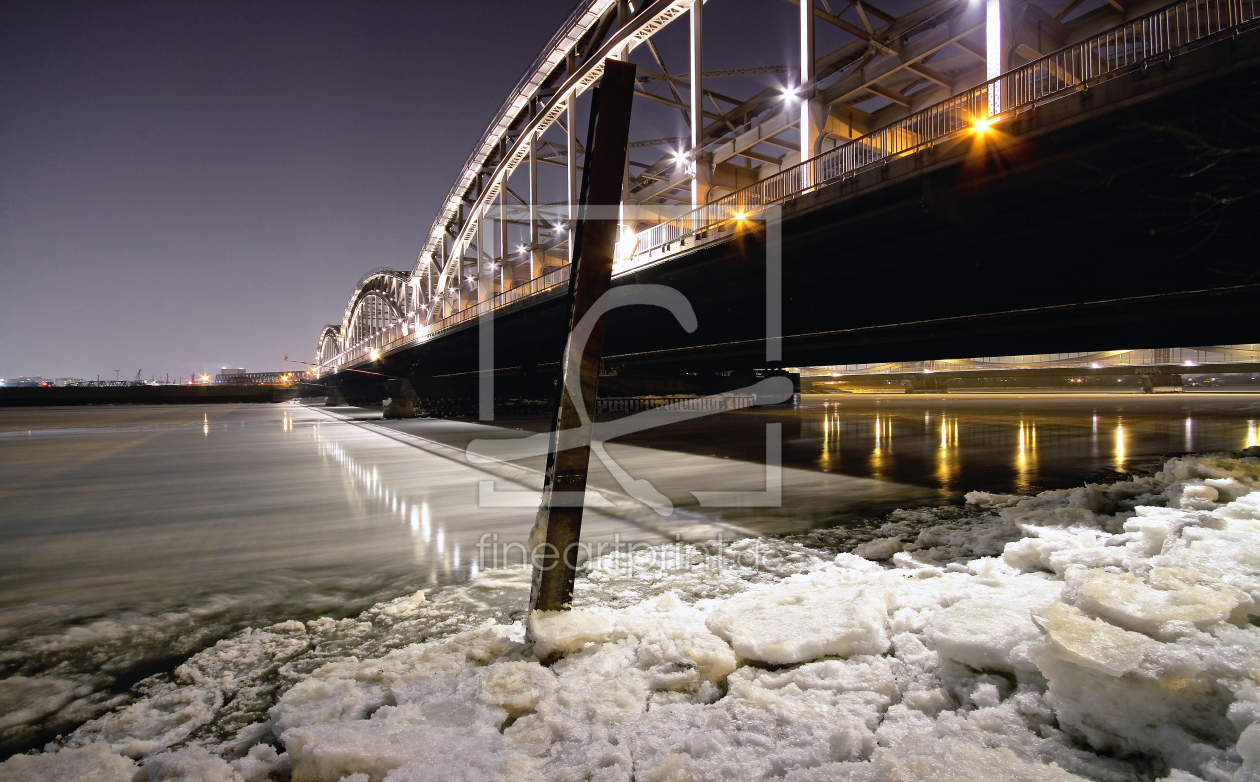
<point>185,186</point>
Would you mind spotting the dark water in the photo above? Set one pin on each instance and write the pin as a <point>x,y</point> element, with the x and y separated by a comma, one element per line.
<point>955,443</point>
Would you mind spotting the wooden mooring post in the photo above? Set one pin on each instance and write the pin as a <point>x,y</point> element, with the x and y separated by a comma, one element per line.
<point>558,526</point>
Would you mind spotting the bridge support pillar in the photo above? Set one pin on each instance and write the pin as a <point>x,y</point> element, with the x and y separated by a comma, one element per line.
<point>485,268</point>
<point>993,50</point>
<point>570,156</point>
<point>536,253</point>
<point>505,259</point>
<point>927,384</point>
<point>809,129</point>
<point>1157,384</point>
<point>400,399</point>
<point>699,193</point>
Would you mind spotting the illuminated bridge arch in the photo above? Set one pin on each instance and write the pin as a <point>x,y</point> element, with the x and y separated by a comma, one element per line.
<point>329,344</point>
<point>382,299</point>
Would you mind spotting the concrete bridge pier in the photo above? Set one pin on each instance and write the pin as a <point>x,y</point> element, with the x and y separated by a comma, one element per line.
<point>927,384</point>
<point>400,399</point>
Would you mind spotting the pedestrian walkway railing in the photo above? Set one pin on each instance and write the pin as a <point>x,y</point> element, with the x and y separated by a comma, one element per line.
<point>638,404</point>
<point>1134,44</point>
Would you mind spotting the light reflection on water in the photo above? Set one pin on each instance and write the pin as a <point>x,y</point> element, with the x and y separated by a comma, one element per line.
<point>1024,445</point>
<point>957,443</point>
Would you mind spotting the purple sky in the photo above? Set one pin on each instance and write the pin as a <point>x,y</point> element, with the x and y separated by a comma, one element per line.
<point>185,186</point>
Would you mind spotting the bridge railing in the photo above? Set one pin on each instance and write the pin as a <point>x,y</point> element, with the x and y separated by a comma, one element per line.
<point>1072,68</point>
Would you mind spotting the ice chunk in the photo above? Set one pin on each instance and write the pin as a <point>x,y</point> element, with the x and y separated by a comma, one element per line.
<point>879,548</point>
<point>565,632</point>
<point>1054,550</point>
<point>261,764</point>
<point>1093,643</point>
<point>516,686</point>
<point>986,499</point>
<point>854,562</point>
<point>190,764</point>
<point>1231,556</point>
<point>802,619</point>
<point>92,763</point>
<point>154,724</point>
<point>399,742</point>
<point>1124,600</point>
<point>980,632</point>
<point>1124,692</point>
<point>1193,495</point>
<point>1248,749</point>
<point>682,664</point>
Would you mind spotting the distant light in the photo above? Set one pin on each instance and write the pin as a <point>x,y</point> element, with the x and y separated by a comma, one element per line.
<point>982,125</point>
<point>1095,365</point>
<point>1189,363</point>
<point>376,354</point>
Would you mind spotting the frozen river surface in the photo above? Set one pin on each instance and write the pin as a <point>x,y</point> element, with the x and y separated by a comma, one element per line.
<point>135,536</point>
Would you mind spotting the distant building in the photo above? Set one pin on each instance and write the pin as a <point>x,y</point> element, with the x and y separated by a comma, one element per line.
<point>239,377</point>
<point>22,381</point>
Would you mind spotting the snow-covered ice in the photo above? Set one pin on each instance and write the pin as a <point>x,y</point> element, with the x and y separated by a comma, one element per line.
<point>1108,632</point>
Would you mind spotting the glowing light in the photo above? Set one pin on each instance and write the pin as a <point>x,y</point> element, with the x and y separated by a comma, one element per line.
<point>1095,365</point>
<point>740,217</point>
<point>1189,363</point>
<point>680,159</point>
<point>982,125</point>
<point>628,244</point>
<point>1026,456</point>
<point>789,93</point>
<point>376,354</point>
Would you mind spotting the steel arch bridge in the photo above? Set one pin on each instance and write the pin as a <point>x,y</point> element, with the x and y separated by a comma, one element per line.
<point>868,85</point>
<point>382,302</point>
